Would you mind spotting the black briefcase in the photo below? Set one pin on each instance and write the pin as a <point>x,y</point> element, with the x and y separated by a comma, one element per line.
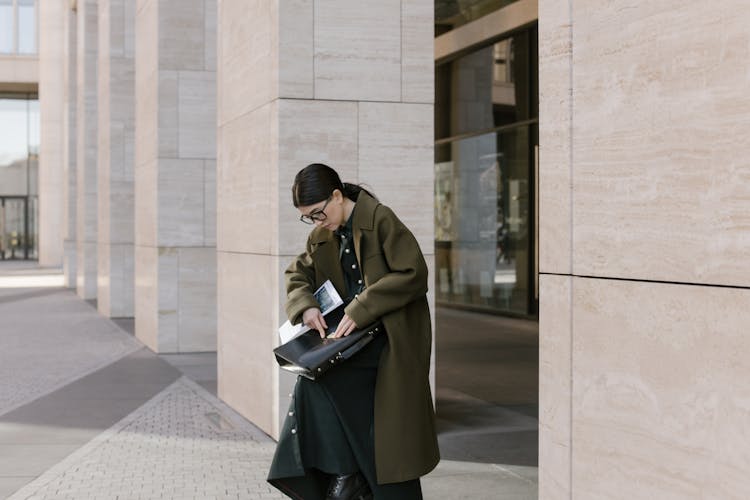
<point>311,356</point>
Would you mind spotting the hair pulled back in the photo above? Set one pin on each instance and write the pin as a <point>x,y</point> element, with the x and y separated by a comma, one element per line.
<point>317,181</point>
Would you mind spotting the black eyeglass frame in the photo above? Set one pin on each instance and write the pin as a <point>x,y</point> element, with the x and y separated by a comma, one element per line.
<point>316,215</point>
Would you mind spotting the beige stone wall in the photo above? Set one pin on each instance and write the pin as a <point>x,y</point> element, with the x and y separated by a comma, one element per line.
<point>69,139</point>
<point>175,175</point>
<point>116,129</point>
<point>19,73</point>
<point>644,237</point>
<point>86,149</point>
<point>51,106</point>
<point>341,82</point>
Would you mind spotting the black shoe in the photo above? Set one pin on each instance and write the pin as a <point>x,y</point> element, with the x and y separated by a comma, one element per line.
<point>348,487</point>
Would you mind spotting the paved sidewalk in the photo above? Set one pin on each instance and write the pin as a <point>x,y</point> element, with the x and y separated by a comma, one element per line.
<point>182,444</point>
<point>88,413</point>
<point>49,338</point>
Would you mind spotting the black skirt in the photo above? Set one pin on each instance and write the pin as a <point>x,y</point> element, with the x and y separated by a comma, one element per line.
<point>329,430</point>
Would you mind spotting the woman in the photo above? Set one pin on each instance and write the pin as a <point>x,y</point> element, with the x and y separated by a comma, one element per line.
<point>367,428</point>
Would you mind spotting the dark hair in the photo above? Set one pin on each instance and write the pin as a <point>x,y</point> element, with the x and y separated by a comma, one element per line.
<point>316,182</point>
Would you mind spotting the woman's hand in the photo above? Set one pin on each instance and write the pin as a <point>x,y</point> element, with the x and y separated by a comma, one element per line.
<point>346,326</point>
<point>313,319</point>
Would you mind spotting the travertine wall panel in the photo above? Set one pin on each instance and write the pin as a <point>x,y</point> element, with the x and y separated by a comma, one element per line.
<point>115,172</point>
<point>146,177</point>
<point>175,173</point>
<point>197,105</point>
<point>555,130</point>
<point>661,178</point>
<point>210,26</point>
<point>146,308</point>
<point>295,42</point>
<point>659,400</point>
<point>180,202</point>
<point>70,139</point>
<point>209,203</point>
<point>121,261</point>
<point>167,299</point>
<point>86,150</point>
<point>244,184</point>
<point>247,53</point>
<point>147,83</point>
<point>52,59</point>
<point>197,299</point>
<point>181,35</point>
<point>555,305</point>
<point>168,112</point>
<point>311,132</point>
<point>358,50</point>
<point>396,154</point>
<point>417,57</point>
<point>247,335</point>
<point>103,281</point>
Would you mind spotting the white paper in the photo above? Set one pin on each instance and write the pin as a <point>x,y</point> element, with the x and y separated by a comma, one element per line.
<point>328,298</point>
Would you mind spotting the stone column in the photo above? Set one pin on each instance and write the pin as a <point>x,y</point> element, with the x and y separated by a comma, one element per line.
<point>86,149</point>
<point>348,83</point>
<point>175,172</point>
<point>115,249</point>
<point>69,141</point>
<point>51,102</point>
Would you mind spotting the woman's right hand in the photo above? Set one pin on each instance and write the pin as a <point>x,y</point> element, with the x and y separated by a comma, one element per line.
<point>313,319</point>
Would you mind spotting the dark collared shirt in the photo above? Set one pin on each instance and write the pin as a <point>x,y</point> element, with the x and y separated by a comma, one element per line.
<point>349,264</point>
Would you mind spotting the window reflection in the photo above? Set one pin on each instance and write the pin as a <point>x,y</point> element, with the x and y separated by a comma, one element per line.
<point>19,160</point>
<point>482,220</point>
<point>6,27</point>
<point>488,88</point>
<point>486,128</point>
<point>14,145</point>
<point>26,27</point>
<point>18,27</point>
<point>450,14</point>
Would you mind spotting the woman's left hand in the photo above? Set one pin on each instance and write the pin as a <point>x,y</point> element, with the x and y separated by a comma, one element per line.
<point>346,326</point>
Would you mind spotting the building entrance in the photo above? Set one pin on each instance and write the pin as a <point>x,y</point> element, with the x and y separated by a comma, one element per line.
<point>486,273</point>
<point>16,240</point>
<point>19,165</point>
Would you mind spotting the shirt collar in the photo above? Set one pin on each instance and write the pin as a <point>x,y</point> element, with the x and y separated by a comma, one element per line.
<point>346,229</point>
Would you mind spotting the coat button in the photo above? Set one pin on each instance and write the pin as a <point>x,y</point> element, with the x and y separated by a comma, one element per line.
<point>354,266</point>
<point>294,431</point>
<point>346,251</point>
<point>359,282</point>
<point>291,413</point>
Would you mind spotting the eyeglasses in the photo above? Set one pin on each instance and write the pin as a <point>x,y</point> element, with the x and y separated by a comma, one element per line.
<point>316,215</point>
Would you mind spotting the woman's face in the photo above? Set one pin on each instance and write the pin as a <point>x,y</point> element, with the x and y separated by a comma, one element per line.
<point>328,213</point>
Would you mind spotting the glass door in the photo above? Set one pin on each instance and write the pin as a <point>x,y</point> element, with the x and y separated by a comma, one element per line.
<point>14,241</point>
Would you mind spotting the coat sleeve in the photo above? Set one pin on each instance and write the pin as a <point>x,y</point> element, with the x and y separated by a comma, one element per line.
<point>406,279</point>
<point>300,280</point>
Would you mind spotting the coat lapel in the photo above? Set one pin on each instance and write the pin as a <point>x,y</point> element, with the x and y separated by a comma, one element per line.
<point>326,253</point>
<point>364,215</point>
<point>326,256</point>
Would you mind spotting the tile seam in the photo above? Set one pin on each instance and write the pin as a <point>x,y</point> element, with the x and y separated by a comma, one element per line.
<point>643,280</point>
<point>571,108</point>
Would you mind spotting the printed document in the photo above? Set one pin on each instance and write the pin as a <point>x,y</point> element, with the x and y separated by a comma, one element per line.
<point>328,298</point>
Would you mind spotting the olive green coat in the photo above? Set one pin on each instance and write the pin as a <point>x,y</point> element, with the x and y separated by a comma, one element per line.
<point>395,276</point>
